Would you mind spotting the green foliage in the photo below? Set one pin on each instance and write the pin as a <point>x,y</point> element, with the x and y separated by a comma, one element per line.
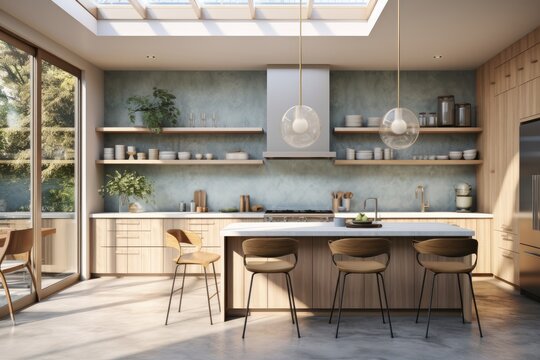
<point>157,110</point>
<point>58,122</point>
<point>61,199</point>
<point>127,183</point>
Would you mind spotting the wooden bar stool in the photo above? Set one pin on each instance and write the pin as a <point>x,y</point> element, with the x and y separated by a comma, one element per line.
<point>360,248</point>
<point>173,239</point>
<point>450,248</point>
<point>18,246</point>
<point>271,248</point>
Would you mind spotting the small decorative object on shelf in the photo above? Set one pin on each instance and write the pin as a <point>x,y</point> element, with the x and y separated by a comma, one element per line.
<point>156,110</point>
<point>127,185</point>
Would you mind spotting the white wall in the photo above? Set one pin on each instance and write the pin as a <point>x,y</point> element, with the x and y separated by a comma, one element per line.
<point>92,116</point>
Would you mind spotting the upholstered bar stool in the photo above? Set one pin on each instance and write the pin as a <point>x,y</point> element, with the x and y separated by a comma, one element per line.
<point>449,248</point>
<point>271,248</point>
<point>15,255</point>
<point>360,248</point>
<point>174,238</point>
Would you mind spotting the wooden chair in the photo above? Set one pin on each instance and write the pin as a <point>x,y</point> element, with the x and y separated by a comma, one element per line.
<point>449,248</point>
<point>18,245</point>
<point>173,239</point>
<point>271,248</point>
<point>360,248</point>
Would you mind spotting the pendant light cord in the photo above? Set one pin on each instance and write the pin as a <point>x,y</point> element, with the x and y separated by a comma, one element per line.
<point>398,54</point>
<point>300,52</point>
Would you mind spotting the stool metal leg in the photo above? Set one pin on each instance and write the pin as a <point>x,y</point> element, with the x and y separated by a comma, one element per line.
<point>380,299</point>
<point>341,303</point>
<point>335,295</point>
<point>170,297</point>
<point>386,302</point>
<point>294,304</point>
<point>289,297</point>
<point>208,295</point>
<point>460,298</point>
<point>475,307</point>
<point>430,303</point>
<point>247,307</point>
<point>421,294</point>
<point>182,289</point>
<point>217,289</point>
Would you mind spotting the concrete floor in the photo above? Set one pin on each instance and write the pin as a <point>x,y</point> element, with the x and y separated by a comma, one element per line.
<point>112,318</point>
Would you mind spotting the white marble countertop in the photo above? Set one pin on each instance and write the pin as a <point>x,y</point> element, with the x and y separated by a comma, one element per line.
<point>324,229</point>
<point>26,215</point>
<point>250,215</point>
<point>178,215</point>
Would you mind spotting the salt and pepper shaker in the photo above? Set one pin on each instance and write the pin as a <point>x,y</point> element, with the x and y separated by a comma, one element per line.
<point>192,206</point>
<point>182,206</point>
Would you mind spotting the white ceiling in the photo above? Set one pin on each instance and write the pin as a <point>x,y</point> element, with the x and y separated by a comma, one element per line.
<point>465,32</point>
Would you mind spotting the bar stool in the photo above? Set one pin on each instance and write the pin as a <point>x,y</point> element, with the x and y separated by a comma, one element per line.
<point>173,239</point>
<point>360,248</point>
<point>271,248</point>
<point>449,248</point>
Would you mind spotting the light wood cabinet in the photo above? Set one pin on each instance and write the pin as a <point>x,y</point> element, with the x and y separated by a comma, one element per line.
<point>506,265</point>
<point>505,76</point>
<point>136,246</point>
<point>528,65</point>
<point>529,99</point>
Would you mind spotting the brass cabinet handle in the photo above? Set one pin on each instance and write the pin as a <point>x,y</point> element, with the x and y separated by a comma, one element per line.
<point>520,68</point>
<point>508,255</point>
<point>493,83</point>
<point>534,61</point>
<point>507,75</point>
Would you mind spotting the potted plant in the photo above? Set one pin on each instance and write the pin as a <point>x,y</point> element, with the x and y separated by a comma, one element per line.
<point>127,185</point>
<point>154,110</point>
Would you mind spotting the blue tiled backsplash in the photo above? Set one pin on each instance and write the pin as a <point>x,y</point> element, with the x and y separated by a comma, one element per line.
<point>239,99</point>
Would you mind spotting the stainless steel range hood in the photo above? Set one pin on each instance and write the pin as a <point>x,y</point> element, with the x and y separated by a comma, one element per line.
<point>282,94</point>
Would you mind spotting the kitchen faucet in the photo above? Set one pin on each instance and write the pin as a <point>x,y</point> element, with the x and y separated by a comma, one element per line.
<point>423,204</point>
<point>376,207</point>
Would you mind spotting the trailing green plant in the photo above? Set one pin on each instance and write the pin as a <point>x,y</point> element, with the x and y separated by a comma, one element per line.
<point>156,109</point>
<point>127,184</point>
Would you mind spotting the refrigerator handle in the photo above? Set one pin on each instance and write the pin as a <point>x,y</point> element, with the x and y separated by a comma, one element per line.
<point>535,201</point>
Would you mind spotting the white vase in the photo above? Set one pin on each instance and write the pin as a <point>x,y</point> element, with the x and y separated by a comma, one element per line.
<point>138,122</point>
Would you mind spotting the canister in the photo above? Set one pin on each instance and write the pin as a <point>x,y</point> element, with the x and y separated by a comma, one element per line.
<point>463,114</point>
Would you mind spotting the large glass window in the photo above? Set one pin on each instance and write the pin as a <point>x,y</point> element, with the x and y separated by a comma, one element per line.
<point>58,189</point>
<point>39,116</point>
<point>15,152</point>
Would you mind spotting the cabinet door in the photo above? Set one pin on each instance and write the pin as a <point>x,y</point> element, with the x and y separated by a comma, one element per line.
<point>529,99</point>
<point>506,265</point>
<point>506,76</point>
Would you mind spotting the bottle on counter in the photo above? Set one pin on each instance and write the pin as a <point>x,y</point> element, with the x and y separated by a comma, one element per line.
<point>182,206</point>
<point>192,206</point>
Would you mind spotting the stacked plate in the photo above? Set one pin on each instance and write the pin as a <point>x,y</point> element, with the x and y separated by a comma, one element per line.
<point>167,155</point>
<point>119,152</point>
<point>108,154</point>
<point>470,154</point>
<point>455,155</point>
<point>378,153</point>
<point>364,155</point>
<point>353,120</point>
<point>374,121</point>
<point>237,155</point>
<point>442,157</point>
<point>153,154</point>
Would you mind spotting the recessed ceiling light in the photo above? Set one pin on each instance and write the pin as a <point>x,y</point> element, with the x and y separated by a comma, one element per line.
<point>151,57</point>
<point>437,56</point>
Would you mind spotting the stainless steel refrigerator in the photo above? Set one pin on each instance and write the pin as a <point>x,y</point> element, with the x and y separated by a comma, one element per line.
<point>529,208</point>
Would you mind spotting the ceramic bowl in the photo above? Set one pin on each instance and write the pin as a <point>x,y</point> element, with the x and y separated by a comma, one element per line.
<point>198,156</point>
<point>208,156</point>
<point>184,155</point>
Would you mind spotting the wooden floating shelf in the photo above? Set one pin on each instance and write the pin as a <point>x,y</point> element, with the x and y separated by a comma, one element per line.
<point>180,162</point>
<point>426,130</point>
<point>408,162</point>
<point>182,130</point>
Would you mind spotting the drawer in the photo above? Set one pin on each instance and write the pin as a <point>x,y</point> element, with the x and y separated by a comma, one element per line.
<point>133,225</point>
<point>506,240</point>
<point>506,265</point>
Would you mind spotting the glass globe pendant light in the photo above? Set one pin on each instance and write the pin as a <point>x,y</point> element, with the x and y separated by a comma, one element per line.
<point>399,128</point>
<point>300,125</point>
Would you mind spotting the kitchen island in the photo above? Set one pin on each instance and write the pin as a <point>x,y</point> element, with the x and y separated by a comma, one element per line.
<point>315,275</point>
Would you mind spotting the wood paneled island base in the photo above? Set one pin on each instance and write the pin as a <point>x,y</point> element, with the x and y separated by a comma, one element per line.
<point>315,276</point>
